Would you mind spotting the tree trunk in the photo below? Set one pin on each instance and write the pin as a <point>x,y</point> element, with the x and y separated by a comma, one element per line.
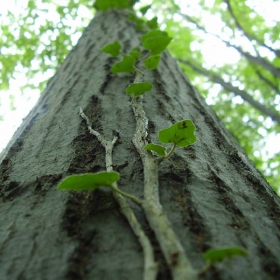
<point>211,193</point>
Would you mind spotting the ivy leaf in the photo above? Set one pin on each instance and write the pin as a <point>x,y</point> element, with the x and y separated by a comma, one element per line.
<point>181,134</point>
<point>218,255</point>
<point>153,34</point>
<point>138,88</point>
<point>104,5</point>
<point>138,21</point>
<point>136,49</point>
<point>113,49</point>
<point>153,24</point>
<point>126,65</point>
<point>88,181</point>
<point>156,148</point>
<point>135,54</point>
<point>152,62</point>
<point>157,45</point>
<point>144,9</point>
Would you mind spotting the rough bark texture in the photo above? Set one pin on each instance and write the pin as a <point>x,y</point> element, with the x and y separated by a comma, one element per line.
<point>211,192</point>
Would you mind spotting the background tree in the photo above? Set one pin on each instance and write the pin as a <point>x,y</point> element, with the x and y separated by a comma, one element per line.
<point>246,97</point>
<point>211,193</point>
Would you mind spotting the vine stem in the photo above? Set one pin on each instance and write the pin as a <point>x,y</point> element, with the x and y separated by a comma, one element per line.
<point>150,266</point>
<point>170,152</point>
<point>170,245</point>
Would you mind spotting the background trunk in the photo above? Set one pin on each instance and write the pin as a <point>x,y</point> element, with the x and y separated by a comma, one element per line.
<point>211,192</point>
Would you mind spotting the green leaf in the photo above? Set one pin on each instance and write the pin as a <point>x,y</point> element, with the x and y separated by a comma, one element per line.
<point>136,49</point>
<point>135,54</point>
<point>153,34</point>
<point>152,62</point>
<point>126,65</point>
<point>144,9</point>
<point>218,255</point>
<point>153,24</point>
<point>138,21</point>
<point>156,148</point>
<point>88,181</point>
<point>181,134</point>
<point>156,45</point>
<point>139,88</point>
<point>113,49</point>
<point>104,5</point>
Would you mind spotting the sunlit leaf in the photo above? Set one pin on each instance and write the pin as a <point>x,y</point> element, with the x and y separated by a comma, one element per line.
<point>218,255</point>
<point>160,150</point>
<point>139,88</point>
<point>181,134</point>
<point>88,181</point>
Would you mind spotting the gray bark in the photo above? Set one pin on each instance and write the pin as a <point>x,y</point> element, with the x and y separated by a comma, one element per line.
<point>211,192</point>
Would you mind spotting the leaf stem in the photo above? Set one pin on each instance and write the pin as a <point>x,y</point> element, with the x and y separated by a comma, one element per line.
<point>170,152</point>
<point>115,188</point>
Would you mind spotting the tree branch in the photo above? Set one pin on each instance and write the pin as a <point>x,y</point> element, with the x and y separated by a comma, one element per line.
<point>267,81</point>
<point>250,37</point>
<point>254,59</point>
<point>229,87</point>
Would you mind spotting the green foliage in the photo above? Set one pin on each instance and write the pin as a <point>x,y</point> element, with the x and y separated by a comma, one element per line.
<point>155,41</point>
<point>160,150</point>
<point>139,88</point>
<point>135,54</point>
<point>152,62</point>
<point>139,23</point>
<point>157,45</point>
<point>181,134</point>
<point>144,9</point>
<point>113,49</point>
<point>153,24</point>
<point>88,181</point>
<point>126,65</point>
<point>105,5</point>
<point>153,34</point>
<point>218,255</point>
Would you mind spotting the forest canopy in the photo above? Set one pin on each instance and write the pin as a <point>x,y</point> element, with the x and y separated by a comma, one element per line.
<point>229,49</point>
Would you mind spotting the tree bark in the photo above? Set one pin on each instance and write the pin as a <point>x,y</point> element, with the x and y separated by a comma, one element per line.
<point>211,192</point>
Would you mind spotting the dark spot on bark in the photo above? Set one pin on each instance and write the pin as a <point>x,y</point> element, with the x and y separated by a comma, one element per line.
<point>120,34</point>
<point>66,65</point>
<point>78,261</point>
<point>89,50</point>
<point>174,258</point>
<point>151,127</point>
<point>105,84</point>
<point>190,151</point>
<point>10,190</point>
<point>269,263</point>
<point>172,177</point>
<point>74,223</point>
<point>44,183</point>
<point>194,222</point>
<point>269,203</point>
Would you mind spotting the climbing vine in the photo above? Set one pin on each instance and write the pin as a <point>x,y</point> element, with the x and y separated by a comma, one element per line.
<point>137,61</point>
